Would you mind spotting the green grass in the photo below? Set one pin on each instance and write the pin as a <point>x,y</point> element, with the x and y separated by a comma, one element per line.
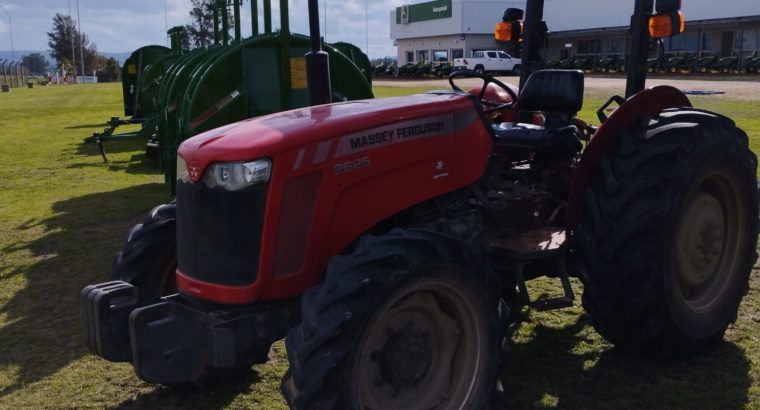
<point>64,213</point>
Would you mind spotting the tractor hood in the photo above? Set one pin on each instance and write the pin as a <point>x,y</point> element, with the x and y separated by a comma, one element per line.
<point>271,135</point>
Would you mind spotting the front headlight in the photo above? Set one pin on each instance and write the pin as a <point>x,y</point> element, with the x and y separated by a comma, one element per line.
<point>237,176</point>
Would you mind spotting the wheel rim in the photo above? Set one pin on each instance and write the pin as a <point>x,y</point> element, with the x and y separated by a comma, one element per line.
<point>707,246</point>
<point>423,352</point>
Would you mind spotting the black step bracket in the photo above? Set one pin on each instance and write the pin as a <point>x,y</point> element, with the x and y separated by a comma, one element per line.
<point>539,245</point>
<point>550,303</point>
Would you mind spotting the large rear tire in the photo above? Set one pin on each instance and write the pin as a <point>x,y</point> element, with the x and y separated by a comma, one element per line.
<point>409,320</point>
<point>669,233</point>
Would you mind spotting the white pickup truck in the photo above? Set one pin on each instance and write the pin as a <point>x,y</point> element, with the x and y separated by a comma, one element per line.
<point>489,61</point>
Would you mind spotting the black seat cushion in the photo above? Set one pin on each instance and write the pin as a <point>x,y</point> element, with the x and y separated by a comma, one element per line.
<point>529,136</point>
<point>555,91</point>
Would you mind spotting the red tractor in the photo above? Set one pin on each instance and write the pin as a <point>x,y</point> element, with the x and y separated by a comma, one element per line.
<point>382,238</point>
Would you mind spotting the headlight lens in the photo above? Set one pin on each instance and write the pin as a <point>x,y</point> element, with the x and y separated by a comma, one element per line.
<point>237,176</point>
<point>182,174</point>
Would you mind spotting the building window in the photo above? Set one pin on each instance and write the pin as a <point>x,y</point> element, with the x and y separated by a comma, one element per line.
<point>440,55</point>
<point>422,56</point>
<point>410,56</point>
<point>457,53</point>
<point>616,45</point>
<point>590,46</point>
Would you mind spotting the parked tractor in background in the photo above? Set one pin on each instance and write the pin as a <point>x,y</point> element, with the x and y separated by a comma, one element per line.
<point>382,238</point>
<point>752,63</point>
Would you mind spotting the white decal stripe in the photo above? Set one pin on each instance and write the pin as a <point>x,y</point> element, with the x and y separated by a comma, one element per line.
<point>322,150</point>
<point>299,159</point>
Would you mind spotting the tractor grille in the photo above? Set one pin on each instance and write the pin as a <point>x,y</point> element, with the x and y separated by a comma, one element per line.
<point>219,233</point>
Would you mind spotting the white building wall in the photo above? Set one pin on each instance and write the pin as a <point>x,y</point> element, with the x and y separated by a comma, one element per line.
<point>467,16</point>
<point>472,22</point>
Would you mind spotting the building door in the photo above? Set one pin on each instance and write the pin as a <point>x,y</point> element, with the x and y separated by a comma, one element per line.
<point>726,43</point>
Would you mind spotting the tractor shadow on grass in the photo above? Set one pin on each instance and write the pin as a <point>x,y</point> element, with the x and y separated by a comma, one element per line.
<point>100,125</point>
<point>137,164</point>
<point>214,395</point>
<point>571,367</point>
<point>74,247</point>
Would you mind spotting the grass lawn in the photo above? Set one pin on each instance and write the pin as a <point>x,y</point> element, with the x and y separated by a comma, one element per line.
<point>64,213</point>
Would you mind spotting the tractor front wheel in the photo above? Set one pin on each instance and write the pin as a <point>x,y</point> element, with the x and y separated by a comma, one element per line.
<point>409,320</point>
<point>148,258</point>
<point>669,233</point>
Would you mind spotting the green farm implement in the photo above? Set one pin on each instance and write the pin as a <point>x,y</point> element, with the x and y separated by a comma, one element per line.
<point>229,81</point>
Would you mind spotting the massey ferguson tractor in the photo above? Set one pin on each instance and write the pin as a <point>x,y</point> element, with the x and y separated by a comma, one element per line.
<point>382,239</point>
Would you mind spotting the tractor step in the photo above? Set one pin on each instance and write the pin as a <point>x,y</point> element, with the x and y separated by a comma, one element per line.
<point>544,245</point>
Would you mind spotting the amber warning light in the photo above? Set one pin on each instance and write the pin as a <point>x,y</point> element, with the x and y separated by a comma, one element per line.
<point>504,30</point>
<point>666,24</point>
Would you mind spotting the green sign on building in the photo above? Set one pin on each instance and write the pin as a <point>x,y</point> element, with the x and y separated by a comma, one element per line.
<point>431,10</point>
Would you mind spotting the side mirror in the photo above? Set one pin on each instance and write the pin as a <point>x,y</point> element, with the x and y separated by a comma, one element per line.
<point>668,6</point>
<point>666,24</point>
<point>513,14</point>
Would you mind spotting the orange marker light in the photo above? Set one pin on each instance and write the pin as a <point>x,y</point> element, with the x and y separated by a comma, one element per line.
<point>666,25</point>
<point>503,31</point>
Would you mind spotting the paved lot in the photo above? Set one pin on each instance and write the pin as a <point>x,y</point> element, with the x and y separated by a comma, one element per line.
<point>741,88</point>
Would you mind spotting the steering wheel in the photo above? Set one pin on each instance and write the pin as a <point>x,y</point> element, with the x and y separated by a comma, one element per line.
<point>487,79</point>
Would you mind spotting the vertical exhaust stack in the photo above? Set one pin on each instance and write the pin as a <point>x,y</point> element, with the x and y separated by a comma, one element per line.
<point>286,69</point>
<point>317,62</point>
<point>533,38</point>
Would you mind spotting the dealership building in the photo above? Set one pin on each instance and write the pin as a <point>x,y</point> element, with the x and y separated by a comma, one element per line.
<point>448,29</point>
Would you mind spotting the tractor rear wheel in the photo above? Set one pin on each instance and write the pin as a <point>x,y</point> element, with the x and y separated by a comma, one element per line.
<point>669,234</point>
<point>148,258</point>
<point>409,320</point>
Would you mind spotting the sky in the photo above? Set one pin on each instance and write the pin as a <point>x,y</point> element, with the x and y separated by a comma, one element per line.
<point>125,25</point>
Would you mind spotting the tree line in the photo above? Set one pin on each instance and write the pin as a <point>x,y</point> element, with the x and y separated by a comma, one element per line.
<point>66,41</point>
<point>69,47</point>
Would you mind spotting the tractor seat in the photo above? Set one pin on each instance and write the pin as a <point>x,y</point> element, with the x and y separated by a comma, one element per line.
<point>530,136</point>
<point>558,94</point>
